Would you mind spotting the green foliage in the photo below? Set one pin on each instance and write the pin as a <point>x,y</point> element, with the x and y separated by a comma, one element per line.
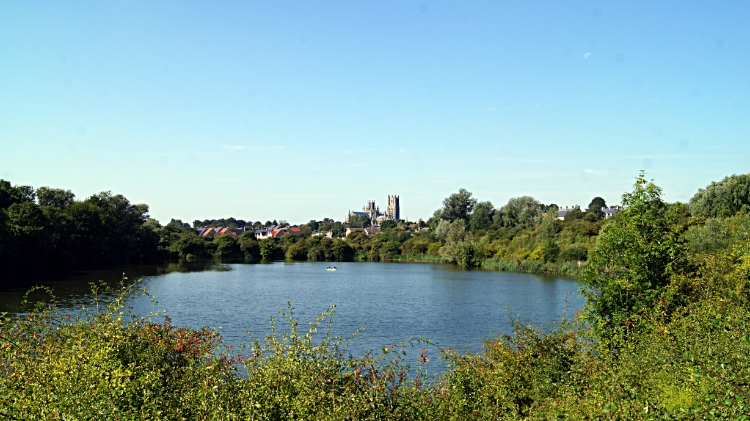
<point>457,206</point>
<point>523,212</point>
<point>10,194</point>
<point>388,224</point>
<point>574,214</point>
<point>634,258</point>
<point>481,217</point>
<point>416,246</point>
<point>550,250</point>
<point>177,223</point>
<point>718,233</point>
<point>62,233</point>
<point>58,198</point>
<point>359,221</point>
<point>595,207</point>
<point>337,229</point>
<point>227,247</point>
<point>191,245</point>
<point>223,222</point>
<point>110,364</point>
<point>575,253</point>
<point>459,248</point>
<point>724,198</point>
<point>249,246</point>
<point>441,229</point>
<point>268,248</point>
<point>514,376</point>
<point>532,266</point>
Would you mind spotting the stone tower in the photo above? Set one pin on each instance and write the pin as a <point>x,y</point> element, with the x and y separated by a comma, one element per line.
<point>393,210</point>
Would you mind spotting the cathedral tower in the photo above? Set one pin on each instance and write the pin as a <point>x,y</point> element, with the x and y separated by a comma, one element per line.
<point>393,210</point>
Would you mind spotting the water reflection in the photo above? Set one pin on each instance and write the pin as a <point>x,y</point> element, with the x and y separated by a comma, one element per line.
<point>73,288</point>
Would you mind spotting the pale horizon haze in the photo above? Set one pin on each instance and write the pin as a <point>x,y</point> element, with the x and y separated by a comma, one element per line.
<point>303,110</point>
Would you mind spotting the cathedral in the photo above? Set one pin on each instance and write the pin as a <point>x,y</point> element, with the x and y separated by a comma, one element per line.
<point>392,212</point>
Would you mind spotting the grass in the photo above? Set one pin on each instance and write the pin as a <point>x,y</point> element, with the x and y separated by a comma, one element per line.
<point>571,269</point>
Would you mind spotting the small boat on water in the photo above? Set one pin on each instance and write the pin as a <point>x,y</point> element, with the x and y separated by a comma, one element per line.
<point>333,268</point>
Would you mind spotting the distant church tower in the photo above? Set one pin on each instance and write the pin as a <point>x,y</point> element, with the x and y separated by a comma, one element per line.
<point>393,210</point>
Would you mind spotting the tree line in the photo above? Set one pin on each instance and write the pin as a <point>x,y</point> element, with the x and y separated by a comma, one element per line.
<point>49,229</point>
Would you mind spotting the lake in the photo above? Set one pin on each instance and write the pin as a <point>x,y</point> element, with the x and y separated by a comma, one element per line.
<point>453,306</point>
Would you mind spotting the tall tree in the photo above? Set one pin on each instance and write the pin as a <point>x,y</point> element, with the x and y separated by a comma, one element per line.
<point>724,198</point>
<point>359,221</point>
<point>523,212</point>
<point>634,257</point>
<point>337,230</point>
<point>10,194</point>
<point>457,206</point>
<point>595,207</point>
<point>59,198</point>
<point>481,218</point>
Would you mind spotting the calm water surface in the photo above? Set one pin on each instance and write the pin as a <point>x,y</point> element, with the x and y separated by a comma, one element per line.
<point>392,301</point>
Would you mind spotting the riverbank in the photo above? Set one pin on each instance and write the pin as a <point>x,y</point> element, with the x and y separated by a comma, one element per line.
<point>568,269</point>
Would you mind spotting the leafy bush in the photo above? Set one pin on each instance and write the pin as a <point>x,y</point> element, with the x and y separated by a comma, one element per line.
<point>575,253</point>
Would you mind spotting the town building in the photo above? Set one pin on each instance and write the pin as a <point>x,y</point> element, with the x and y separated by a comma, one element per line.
<point>260,234</point>
<point>608,211</point>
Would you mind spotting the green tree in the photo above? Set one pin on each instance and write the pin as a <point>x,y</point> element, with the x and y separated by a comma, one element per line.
<point>548,231</point>
<point>523,212</point>
<point>595,207</point>
<point>313,224</point>
<point>458,245</point>
<point>441,230</point>
<point>359,221</point>
<point>337,230</point>
<point>388,224</point>
<point>18,194</point>
<point>481,217</point>
<point>268,248</point>
<point>177,223</point>
<point>725,198</point>
<point>341,251</point>
<point>574,253</point>
<point>249,245</point>
<point>635,255</point>
<point>59,198</point>
<point>457,206</point>
<point>190,245</point>
<point>227,247</point>
<point>575,214</point>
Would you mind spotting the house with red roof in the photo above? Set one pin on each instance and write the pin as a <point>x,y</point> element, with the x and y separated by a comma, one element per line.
<point>210,232</point>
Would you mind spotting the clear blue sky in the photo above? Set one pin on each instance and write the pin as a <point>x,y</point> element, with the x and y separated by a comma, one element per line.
<point>300,110</point>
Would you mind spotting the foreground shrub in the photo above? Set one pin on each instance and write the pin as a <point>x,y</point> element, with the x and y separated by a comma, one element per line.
<point>514,378</point>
